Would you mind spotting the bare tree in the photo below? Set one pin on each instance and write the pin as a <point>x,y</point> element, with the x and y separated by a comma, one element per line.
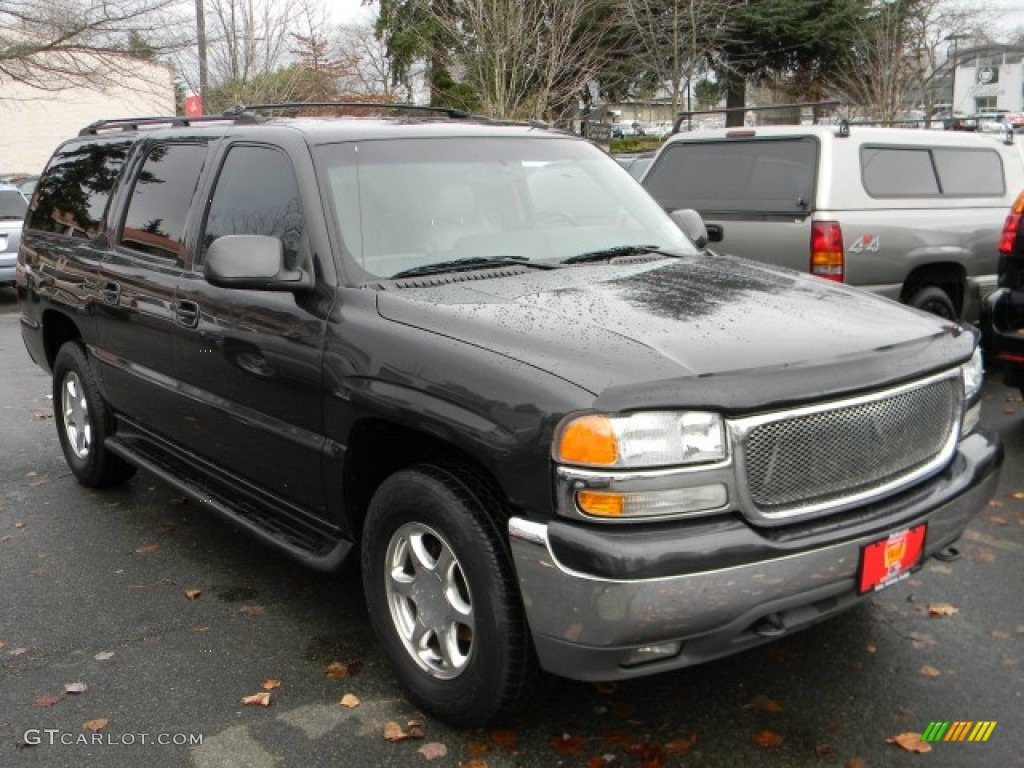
<point>672,38</point>
<point>55,44</point>
<point>524,58</point>
<point>370,72</point>
<point>247,37</point>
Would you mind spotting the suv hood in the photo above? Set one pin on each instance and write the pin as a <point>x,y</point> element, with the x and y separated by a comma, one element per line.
<point>697,328</point>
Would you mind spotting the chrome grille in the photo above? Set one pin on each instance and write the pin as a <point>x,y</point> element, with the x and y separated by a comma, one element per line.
<point>816,460</point>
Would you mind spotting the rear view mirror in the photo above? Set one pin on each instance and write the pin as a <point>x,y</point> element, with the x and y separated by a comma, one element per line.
<point>692,225</point>
<point>255,262</point>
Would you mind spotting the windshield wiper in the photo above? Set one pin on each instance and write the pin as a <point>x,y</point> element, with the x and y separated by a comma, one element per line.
<point>611,253</point>
<point>461,265</point>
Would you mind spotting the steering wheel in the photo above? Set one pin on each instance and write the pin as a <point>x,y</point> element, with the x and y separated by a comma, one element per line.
<point>554,215</point>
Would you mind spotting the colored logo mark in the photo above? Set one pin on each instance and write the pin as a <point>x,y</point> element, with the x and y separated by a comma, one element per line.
<point>958,730</point>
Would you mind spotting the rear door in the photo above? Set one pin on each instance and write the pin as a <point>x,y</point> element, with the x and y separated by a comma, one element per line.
<point>760,190</point>
<point>137,318</point>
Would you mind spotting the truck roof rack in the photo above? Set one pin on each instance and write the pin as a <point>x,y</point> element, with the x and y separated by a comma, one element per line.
<point>451,112</point>
<point>682,116</point>
<point>135,123</point>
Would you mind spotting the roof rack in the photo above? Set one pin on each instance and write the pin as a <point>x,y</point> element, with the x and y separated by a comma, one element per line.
<point>796,105</point>
<point>447,111</point>
<point>135,123</point>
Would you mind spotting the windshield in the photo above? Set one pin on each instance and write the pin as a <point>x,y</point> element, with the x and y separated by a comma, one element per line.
<point>401,204</point>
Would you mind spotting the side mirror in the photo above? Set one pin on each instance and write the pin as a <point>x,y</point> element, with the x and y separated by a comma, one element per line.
<point>255,262</point>
<point>692,225</point>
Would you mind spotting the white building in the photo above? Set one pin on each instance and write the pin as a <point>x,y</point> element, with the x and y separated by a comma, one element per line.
<point>33,121</point>
<point>987,79</point>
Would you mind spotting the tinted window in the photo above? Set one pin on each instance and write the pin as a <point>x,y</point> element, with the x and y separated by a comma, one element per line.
<point>72,195</point>
<point>257,194</point>
<point>969,171</point>
<point>12,204</point>
<point>897,172</point>
<point>155,221</point>
<point>768,176</point>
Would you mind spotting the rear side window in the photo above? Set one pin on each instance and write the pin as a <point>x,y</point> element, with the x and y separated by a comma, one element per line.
<point>155,220</point>
<point>764,176</point>
<point>12,204</point>
<point>931,172</point>
<point>72,194</point>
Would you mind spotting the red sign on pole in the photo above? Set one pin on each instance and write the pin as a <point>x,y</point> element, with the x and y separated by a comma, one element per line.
<point>194,106</point>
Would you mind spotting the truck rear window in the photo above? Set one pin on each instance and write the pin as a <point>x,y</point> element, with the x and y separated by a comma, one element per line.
<point>762,175</point>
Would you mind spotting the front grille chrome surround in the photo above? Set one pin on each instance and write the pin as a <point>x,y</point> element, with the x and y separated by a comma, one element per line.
<point>817,460</point>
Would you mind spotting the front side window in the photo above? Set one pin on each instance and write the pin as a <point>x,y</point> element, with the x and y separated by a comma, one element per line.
<point>163,193</point>
<point>71,197</point>
<point>257,194</point>
<point>401,204</point>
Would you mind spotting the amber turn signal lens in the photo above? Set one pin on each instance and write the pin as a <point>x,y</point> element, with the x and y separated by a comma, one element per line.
<point>589,440</point>
<point>600,503</point>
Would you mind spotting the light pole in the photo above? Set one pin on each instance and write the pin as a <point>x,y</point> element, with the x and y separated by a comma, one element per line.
<point>952,99</point>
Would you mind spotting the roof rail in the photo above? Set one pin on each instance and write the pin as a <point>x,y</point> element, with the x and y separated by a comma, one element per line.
<point>447,111</point>
<point>135,123</point>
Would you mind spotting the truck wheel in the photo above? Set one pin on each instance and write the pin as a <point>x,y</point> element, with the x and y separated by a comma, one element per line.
<point>934,300</point>
<point>83,422</point>
<point>442,596</point>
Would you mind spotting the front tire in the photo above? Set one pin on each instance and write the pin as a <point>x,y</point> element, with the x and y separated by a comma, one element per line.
<point>442,595</point>
<point>83,422</point>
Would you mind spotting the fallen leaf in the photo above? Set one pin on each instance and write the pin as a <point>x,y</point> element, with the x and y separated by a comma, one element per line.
<point>679,746</point>
<point>46,701</point>
<point>178,500</point>
<point>766,739</point>
<point>985,555</point>
<point>257,699</point>
<point>1010,661</point>
<point>41,416</point>
<point>76,688</point>
<point>433,750</point>
<point>17,651</point>
<point>104,655</point>
<point>19,525</point>
<point>1017,495</point>
<point>349,700</point>
<point>393,732</point>
<point>764,704</point>
<point>1000,634</point>
<point>997,520</point>
<point>921,640</point>
<point>8,537</point>
<point>3,644</point>
<point>605,689</point>
<point>855,763</point>
<point>506,739</point>
<point>148,549</point>
<point>201,630</point>
<point>823,750</point>
<point>1020,629</point>
<point>95,725</point>
<point>338,671</point>
<point>253,610</point>
<point>929,671</point>
<point>941,609</point>
<point>567,744</point>
<point>415,729</point>
<point>995,503</point>
<point>269,685</point>
<point>193,594</point>
<point>871,648</point>
<point>911,742</point>
<point>478,749</point>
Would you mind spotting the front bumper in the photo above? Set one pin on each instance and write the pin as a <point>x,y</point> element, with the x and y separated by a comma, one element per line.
<point>588,625</point>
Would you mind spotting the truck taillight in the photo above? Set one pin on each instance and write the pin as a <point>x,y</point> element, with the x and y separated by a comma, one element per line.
<point>827,257</point>
<point>1011,225</point>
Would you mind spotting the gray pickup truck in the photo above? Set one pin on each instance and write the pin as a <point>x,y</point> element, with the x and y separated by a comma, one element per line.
<point>914,215</point>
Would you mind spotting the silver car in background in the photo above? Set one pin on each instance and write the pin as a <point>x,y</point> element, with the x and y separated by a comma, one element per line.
<point>12,215</point>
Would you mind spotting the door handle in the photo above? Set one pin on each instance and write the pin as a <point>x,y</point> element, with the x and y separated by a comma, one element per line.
<point>111,293</point>
<point>187,313</point>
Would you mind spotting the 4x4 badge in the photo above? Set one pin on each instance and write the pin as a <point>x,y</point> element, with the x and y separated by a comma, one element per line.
<point>866,243</point>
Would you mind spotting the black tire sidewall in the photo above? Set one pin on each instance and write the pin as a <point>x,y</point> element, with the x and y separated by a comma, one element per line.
<point>931,295</point>
<point>473,697</point>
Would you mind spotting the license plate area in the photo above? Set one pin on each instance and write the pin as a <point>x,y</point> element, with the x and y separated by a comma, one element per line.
<point>890,560</point>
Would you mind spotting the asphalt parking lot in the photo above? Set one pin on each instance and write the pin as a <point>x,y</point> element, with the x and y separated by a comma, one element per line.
<point>96,590</point>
